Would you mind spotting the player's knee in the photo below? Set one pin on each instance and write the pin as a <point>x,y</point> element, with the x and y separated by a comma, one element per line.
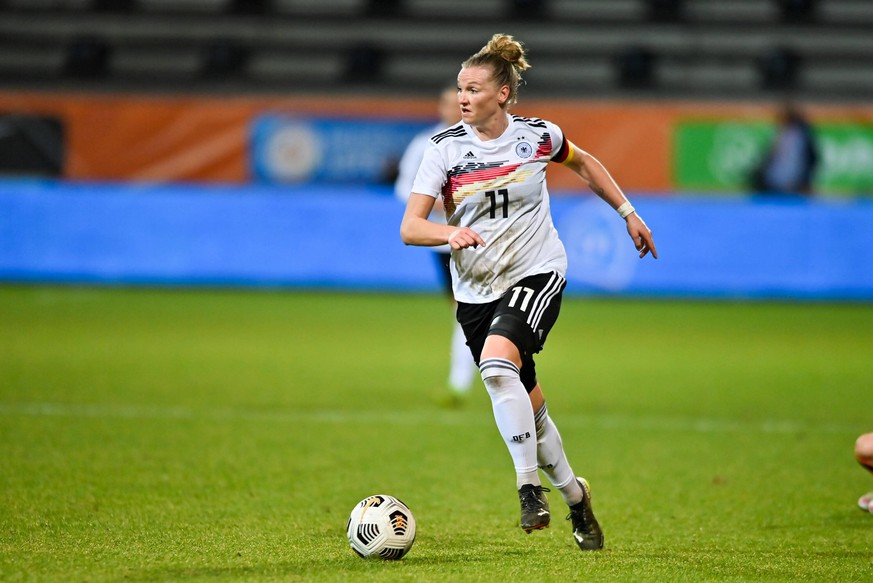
<point>497,368</point>
<point>498,375</point>
<point>517,331</point>
<point>864,449</point>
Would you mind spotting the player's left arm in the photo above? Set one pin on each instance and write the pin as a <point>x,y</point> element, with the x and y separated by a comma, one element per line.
<point>595,174</point>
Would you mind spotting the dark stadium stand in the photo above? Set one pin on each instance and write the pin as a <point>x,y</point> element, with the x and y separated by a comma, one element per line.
<point>700,49</point>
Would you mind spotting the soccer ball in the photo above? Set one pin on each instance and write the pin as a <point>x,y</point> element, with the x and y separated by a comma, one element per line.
<point>381,526</point>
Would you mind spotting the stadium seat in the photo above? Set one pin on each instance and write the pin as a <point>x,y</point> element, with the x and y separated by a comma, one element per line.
<point>669,48</point>
<point>779,68</point>
<point>87,56</point>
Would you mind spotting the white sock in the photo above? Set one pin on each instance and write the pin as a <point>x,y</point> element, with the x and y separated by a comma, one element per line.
<point>552,459</point>
<point>514,416</point>
<point>462,368</point>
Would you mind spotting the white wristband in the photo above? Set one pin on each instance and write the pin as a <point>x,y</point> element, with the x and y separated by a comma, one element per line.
<point>625,209</point>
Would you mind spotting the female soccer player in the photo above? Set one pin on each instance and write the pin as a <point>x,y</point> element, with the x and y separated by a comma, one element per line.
<point>508,263</point>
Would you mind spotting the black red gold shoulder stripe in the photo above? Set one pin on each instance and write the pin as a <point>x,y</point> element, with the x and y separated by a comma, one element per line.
<point>564,153</point>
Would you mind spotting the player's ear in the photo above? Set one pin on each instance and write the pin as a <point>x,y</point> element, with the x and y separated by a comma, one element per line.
<point>503,95</point>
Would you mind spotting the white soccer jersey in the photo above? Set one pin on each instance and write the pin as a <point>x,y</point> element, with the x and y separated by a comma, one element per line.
<point>498,189</point>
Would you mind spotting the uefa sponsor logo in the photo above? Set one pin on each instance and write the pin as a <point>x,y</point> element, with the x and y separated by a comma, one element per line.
<point>293,153</point>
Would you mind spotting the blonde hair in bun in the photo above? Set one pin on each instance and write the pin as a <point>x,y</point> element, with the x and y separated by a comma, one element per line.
<point>507,59</point>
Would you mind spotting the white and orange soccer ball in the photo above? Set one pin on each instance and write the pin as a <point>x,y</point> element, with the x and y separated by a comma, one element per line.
<point>381,526</point>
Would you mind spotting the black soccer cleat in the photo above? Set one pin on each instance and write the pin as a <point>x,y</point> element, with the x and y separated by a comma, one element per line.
<point>534,507</point>
<point>586,530</point>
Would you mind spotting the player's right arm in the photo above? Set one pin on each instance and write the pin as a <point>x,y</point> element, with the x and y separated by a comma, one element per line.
<point>416,229</point>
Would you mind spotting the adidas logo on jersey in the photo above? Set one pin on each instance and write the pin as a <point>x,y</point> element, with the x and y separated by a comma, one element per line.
<point>470,155</point>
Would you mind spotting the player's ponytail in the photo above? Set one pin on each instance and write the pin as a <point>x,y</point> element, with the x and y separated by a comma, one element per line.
<point>507,59</point>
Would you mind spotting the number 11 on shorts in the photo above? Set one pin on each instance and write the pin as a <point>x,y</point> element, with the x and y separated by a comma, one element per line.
<point>517,291</point>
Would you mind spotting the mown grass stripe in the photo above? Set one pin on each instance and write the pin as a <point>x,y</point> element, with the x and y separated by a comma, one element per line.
<point>422,417</point>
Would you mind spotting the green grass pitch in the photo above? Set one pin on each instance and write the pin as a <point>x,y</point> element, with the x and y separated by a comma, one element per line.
<point>170,435</point>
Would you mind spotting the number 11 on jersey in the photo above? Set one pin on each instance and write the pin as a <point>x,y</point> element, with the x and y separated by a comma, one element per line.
<point>504,197</point>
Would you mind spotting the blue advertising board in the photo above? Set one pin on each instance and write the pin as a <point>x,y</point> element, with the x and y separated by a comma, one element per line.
<point>348,238</point>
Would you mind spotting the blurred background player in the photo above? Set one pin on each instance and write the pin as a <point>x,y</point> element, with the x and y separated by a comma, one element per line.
<point>790,164</point>
<point>864,455</point>
<point>462,369</point>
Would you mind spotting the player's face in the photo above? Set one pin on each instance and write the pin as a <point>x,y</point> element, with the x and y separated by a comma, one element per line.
<point>479,96</point>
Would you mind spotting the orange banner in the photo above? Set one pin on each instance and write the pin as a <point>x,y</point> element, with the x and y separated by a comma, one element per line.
<point>207,138</point>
